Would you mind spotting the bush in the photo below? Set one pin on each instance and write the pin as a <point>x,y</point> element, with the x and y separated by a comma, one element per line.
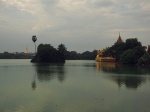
<point>132,56</point>
<point>144,60</point>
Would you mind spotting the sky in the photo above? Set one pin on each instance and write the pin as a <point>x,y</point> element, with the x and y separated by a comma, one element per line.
<point>81,25</point>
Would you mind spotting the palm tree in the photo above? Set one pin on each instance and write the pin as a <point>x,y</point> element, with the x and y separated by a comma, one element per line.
<point>34,39</point>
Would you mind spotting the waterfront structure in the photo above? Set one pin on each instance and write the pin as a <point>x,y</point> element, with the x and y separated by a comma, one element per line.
<point>26,51</point>
<point>99,57</point>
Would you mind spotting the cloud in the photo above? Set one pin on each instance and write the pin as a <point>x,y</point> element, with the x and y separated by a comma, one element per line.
<point>75,20</point>
<point>34,8</point>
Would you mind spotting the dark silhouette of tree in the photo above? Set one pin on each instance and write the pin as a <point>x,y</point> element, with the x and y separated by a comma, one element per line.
<point>132,43</point>
<point>48,54</point>
<point>148,50</point>
<point>87,55</point>
<point>34,39</point>
<point>61,52</point>
<point>132,56</point>
<point>145,59</point>
<point>72,55</point>
<point>115,51</point>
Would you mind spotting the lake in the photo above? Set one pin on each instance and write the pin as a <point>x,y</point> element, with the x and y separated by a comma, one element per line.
<point>76,86</point>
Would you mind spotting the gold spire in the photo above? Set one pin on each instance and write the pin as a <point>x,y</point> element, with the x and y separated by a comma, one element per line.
<point>119,39</point>
<point>26,51</point>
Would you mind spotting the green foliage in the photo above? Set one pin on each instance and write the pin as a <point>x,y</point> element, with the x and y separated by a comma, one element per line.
<point>87,55</point>
<point>131,56</point>
<point>48,54</point>
<point>61,52</point>
<point>7,55</point>
<point>115,51</point>
<point>132,43</point>
<point>72,55</point>
<point>125,51</point>
<point>34,38</point>
<point>62,49</point>
<point>145,59</point>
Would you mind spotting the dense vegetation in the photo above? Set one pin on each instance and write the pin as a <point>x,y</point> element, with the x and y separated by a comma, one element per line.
<point>48,54</point>
<point>129,52</point>
<point>87,55</point>
<point>7,55</point>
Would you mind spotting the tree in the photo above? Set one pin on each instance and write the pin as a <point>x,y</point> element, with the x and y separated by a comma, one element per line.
<point>34,39</point>
<point>87,55</point>
<point>132,43</point>
<point>132,56</point>
<point>72,55</point>
<point>148,50</point>
<point>61,48</point>
<point>145,59</point>
<point>48,54</point>
<point>115,51</point>
<point>119,48</point>
<point>61,52</point>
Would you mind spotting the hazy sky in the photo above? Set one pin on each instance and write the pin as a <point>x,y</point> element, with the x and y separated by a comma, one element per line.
<point>79,24</point>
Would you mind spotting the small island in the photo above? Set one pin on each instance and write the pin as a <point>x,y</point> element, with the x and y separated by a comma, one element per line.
<point>48,54</point>
<point>129,52</point>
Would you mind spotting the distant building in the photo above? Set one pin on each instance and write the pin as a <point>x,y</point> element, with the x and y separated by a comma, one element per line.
<point>99,57</point>
<point>27,51</point>
<point>119,39</point>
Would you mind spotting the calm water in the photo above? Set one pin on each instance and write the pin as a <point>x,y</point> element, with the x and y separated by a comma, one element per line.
<point>76,86</point>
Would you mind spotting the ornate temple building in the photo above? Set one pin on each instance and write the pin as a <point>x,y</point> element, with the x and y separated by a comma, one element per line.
<point>119,39</point>
<point>26,51</point>
<point>99,57</point>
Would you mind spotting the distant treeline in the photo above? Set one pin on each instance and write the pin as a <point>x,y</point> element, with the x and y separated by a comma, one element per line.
<point>87,55</point>
<point>7,55</point>
<point>69,55</point>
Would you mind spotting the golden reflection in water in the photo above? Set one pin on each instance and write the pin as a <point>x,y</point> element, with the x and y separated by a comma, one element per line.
<point>106,65</point>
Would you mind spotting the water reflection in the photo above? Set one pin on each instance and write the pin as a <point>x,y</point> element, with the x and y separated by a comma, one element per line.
<point>130,76</point>
<point>47,72</point>
<point>34,82</point>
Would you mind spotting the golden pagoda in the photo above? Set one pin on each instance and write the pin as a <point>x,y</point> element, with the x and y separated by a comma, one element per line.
<point>119,39</point>
<point>99,57</point>
<point>26,51</point>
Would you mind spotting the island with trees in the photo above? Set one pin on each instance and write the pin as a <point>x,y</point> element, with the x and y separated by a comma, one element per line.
<point>48,54</point>
<point>129,52</point>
